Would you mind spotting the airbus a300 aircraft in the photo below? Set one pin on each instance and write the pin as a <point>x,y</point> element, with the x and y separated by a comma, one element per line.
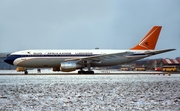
<point>71,60</point>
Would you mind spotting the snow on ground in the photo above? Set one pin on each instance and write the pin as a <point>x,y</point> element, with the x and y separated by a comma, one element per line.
<point>49,71</point>
<point>90,92</point>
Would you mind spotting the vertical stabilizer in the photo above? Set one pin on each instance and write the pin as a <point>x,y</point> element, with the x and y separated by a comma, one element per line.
<point>149,41</point>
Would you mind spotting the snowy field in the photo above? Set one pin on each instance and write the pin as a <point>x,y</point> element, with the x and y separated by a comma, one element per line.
<point>49,71</point>
<point>90,92</point>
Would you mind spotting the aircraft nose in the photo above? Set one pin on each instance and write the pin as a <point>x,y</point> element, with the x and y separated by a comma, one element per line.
<point>9,61</point>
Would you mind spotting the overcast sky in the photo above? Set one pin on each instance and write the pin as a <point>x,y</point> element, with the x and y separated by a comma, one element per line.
<point>86,24</point>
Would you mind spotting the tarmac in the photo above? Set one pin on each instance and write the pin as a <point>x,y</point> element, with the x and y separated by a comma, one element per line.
<point>97,72</point>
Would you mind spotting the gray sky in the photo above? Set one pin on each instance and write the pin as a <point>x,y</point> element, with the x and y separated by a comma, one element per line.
<point>86,24</point>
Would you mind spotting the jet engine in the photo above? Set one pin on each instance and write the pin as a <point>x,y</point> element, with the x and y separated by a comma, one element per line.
<point>70,66</point>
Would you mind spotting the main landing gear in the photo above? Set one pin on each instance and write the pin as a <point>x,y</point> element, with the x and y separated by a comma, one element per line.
<point>86,72</point>
<point>26,72</point>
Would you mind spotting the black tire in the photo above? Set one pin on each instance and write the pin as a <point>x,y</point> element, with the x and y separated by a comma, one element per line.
<point>25,72</point>
<point>83,72</point>
<point>91,72</point>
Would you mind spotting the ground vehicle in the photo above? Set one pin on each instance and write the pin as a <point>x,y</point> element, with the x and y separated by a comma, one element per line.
<point>158,69</point>
<point>170,68</point>
<point>124,69</point>
<point>20,69</point>
<point>140,68</point>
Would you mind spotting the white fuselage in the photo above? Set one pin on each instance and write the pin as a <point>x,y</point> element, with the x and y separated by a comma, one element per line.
<point>53,58</point>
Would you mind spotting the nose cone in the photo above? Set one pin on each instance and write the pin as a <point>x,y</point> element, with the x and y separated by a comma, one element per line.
<point>9,60</point>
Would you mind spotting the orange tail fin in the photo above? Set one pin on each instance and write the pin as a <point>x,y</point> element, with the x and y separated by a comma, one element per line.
<point>149,41</point>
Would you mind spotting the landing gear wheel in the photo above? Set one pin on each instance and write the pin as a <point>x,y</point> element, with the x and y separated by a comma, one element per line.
<point>26,72</point>
<point>85,72</point>
<point>81,72</point>
<point>90,72</point>
<point>38,70</point>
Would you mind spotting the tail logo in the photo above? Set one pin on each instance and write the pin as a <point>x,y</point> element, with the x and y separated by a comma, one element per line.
<point>146,43</point>
<point>149,41</point>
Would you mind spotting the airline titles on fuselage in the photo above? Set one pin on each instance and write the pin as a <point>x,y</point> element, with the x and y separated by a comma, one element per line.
<point>63,53</point>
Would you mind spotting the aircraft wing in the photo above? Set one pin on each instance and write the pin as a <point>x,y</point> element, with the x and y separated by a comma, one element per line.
<point>98,58</point>
<point>127,54</point>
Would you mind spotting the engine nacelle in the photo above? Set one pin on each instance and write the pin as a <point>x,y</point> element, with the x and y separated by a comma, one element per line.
<point>70,66</point>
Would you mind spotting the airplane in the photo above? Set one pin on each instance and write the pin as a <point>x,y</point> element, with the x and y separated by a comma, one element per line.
<point>71,60</point>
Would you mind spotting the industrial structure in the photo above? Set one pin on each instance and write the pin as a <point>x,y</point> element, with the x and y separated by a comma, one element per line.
<point>154,64</point>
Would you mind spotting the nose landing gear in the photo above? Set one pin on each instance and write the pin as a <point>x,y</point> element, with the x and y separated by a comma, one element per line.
<point>26,72</point>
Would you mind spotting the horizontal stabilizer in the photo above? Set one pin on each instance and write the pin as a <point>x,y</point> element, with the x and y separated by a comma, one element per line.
<point>158,51</point>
